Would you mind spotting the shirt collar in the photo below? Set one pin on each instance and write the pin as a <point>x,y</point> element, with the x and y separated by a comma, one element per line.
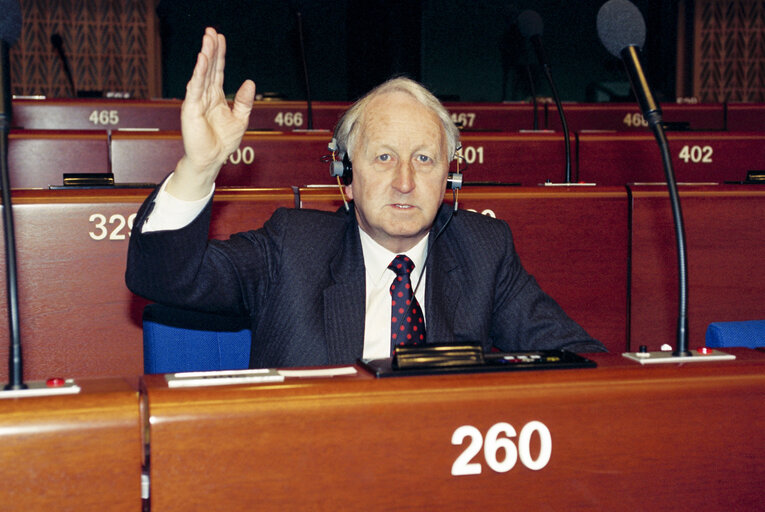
<point>377,258</point>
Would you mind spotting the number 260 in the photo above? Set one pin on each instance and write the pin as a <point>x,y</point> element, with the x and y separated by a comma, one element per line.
<point>493,442</point>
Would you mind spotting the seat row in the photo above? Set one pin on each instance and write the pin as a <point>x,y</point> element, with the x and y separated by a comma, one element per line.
<point>89,114</point>
<point>606,254</point>
<point>42,158</point>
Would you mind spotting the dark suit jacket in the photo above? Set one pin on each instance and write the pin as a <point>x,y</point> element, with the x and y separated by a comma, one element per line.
<point>301,280</point>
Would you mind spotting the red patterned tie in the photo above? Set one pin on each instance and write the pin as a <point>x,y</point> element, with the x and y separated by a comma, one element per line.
<point>407,322</point>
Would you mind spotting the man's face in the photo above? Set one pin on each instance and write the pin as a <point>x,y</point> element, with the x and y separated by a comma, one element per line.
<point>400,164</point>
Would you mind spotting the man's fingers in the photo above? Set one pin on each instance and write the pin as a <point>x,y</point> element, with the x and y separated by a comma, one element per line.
<point>243,101</point>
<point>220,62</point>
<point>195,86</point>
<point>210,50</point>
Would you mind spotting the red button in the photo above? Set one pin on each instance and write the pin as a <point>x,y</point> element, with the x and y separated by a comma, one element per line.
<point>704,350</point>
<point>55,382</point>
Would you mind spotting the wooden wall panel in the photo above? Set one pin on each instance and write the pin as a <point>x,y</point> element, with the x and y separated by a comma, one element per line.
<point>729,50</point>
<point>111,46</point>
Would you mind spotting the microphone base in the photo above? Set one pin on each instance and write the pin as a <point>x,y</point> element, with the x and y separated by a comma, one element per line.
<point>48,387</point>
<point>699,355</point>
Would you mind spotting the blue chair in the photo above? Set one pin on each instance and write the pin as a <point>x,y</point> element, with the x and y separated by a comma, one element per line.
<point>176,340</point>
<point>750,333</point>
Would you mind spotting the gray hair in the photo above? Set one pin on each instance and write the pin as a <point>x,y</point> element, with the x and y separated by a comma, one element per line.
<point>346,129</point>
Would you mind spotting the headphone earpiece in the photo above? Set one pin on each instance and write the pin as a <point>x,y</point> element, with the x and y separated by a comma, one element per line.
<point>339,163</point>
<point>454,179</point>
<point>341,168</point>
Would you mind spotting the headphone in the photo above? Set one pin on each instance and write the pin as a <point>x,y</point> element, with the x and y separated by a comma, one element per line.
<point>340,166</point>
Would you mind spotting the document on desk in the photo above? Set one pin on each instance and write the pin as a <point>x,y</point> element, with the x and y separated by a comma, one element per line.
<point>224,377</point>
<point>319,372</point>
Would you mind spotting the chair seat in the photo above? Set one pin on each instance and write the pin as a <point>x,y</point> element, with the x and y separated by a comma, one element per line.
<point>750,333</point>
<point>177,340</point>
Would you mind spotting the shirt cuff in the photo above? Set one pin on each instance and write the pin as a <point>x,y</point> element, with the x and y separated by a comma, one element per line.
<point>172,213</point>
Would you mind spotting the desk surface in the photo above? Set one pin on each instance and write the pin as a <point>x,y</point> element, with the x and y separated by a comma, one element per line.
<point>621,437</point>
<point>72,452</point>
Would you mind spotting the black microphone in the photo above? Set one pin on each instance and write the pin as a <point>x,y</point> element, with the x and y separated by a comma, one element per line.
<point>531,26</point>
<point>58,44</point>
<point>10,31</point>
<point>621,29</point>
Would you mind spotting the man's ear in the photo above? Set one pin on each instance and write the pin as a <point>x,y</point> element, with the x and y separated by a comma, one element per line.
<point>349,192</point>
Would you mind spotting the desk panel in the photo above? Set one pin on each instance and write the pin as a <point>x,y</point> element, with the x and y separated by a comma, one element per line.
<point>724,243</point>
<point>495,117</point>
<point>39,158</point>
<point>78,318</point>
<point>262,160</point>
<point>617,159</point>
<point>96,114</point>
<point>573,240</point>
<point>627,116</point>
<point>521,158</point>
<point>746,117</point>
<point>72,452</point>
<point>622,437</point>
<point>293,115</point>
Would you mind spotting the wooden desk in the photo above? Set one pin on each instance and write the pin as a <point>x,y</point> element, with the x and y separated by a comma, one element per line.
<point>622,437</point>
<point>627,116</point>
<point>263,160</point>
<point>39,158</point>
<point>521,158</point>
<point>96,114</point>
<point>78,319</point>
<point>72,452</point>
<point>724,243</point>
<point>746,117</point>
<point>495,117</point>
<point>574,240</point>
<point>620,158</point>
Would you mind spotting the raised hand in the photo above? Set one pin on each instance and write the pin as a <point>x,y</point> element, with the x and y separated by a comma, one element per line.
<point>211,129</point>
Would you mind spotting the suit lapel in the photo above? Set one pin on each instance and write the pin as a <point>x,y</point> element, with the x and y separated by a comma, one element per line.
<point>444,284</point>
<point>345,299</point>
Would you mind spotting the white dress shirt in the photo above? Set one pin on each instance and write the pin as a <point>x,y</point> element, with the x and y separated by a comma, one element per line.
<point>169,212</point>
<point>379,277</point>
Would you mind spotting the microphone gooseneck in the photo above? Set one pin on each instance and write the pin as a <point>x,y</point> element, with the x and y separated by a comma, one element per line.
<point>10,30</point>
<point>621,29</point>
<point>58,44</point>
<point>531,26</point>
<point>309,104</point>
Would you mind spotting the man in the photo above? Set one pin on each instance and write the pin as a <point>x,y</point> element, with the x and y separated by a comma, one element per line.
<point>317,285</point>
